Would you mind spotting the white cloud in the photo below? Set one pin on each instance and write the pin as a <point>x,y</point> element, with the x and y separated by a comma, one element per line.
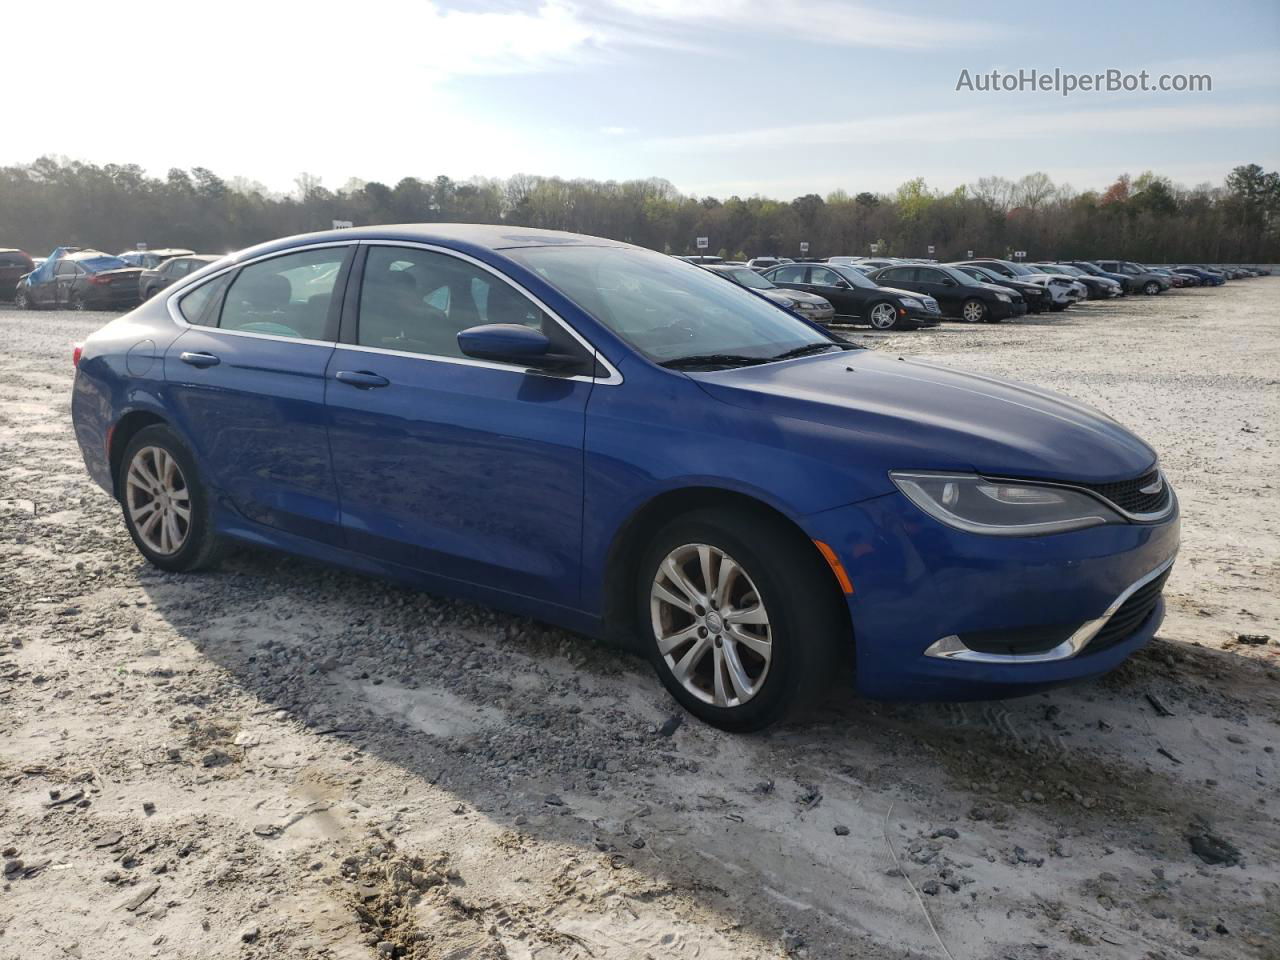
<point>979,124</point>
<point>615,131</point>
<point>832,22</point>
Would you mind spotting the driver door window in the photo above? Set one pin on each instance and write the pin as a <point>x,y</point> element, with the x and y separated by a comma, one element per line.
<point>788,275</point>
<point>419,301</point>
<point>822,277</point>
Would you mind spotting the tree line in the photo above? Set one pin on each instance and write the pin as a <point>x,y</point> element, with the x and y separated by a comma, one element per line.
<point>1146,218</point>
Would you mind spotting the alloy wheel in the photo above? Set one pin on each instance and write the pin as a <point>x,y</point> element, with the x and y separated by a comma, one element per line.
<point>158,500</point>
<point>710,625</point>
<point>20,300</point>
<point>883,316</point>
<point>973,311</point>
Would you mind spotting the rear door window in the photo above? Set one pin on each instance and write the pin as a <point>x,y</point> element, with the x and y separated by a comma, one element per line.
<point>793,274</point>
<point>288,296</point>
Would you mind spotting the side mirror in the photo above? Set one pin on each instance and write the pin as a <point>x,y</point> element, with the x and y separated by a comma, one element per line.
<point>512,343</point>
<point>843,285</point>
<point>948,282</point>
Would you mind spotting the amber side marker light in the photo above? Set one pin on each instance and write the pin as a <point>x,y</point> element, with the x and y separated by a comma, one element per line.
<point>836,567</point>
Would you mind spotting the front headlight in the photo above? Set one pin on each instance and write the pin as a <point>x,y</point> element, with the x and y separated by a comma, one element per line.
<point>1004,298</point>
<point>911,302</point>
<point>1001,508</point>
<point>804,305</point>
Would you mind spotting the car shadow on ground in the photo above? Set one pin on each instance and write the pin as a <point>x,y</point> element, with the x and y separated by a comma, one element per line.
<point>554,738</point>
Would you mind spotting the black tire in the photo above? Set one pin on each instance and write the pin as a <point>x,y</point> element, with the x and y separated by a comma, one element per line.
<point>202,546</point>
<point>974,310</point>
<point>78,303</point>
<point>22,300</point>
<point>1151,288</point>
<point>808,627</point>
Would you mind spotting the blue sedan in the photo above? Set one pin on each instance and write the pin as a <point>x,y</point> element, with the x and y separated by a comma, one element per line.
<point>606,438</point>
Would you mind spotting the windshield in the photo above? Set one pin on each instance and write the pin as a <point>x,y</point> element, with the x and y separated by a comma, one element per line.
<point>1020,270</point>
<point>667,309</point>
<point>98,264</point>
<point>749,278</point>
<point>855,277</point>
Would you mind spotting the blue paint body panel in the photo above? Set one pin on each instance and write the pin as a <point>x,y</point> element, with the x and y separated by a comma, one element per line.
<point>511,487</point>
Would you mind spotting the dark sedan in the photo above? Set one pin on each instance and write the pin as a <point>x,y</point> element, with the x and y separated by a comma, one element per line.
<point>855,296</point>
<point>958,294</point>
<point>1037,297</point>
<point>14,265</point>
<point>151,282</point>
<point>1093,270</point>
<point>1207,278</point>
<point>808,305</point>
<point>89,280</point>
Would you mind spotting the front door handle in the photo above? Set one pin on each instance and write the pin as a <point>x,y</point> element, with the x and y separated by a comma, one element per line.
<point>199,359</point>
<point>361,378</point>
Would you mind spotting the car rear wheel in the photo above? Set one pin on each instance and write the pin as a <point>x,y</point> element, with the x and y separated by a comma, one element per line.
<point>165,506</point>
<point>740,617</point>
<point>1151,288</point>
<point>21,300</point>
<point>973,311</point>
<point>78,302</point>
<point>883,316</point>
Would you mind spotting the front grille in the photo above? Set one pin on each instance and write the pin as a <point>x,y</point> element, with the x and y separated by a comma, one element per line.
<point>1128,495</point>
<point>1133,613</point>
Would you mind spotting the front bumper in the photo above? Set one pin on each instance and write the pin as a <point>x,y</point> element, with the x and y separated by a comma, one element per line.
<point>918,582</point>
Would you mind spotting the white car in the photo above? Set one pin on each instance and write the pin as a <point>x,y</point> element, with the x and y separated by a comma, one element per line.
<point>761,264</point>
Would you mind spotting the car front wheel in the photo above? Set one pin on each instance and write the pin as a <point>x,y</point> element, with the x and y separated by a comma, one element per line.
<point>740,617</point>
<point>973,311</point>
<point>165,506</point>
<point>1151,288</point>
<point>21,300</point>
<point>883,316</point>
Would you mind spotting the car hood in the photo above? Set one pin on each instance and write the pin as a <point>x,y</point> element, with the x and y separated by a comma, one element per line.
<point>897,414</point>
<point>785,296</point>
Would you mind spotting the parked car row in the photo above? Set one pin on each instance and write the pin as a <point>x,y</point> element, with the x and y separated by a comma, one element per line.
<point>893,293</point>
<point>77,279</point>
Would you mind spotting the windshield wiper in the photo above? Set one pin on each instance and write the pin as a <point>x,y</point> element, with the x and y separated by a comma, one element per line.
<point>807,349</point>
<point>713,360</point>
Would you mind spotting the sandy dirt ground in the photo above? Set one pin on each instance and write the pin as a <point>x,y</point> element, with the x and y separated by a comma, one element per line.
<point>280,760</point>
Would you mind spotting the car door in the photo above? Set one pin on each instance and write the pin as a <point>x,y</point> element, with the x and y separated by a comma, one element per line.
<point>246,383</point>
<point>847,299</point>
<point>58,293</point>
<point>464,469</point>
<point>943,288</point>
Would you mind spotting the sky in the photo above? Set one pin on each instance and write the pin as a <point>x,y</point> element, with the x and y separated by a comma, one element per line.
<point>771,97</point>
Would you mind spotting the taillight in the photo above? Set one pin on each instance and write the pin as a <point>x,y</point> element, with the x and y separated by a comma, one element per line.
<point>97,280</point>
<point>75,354</point>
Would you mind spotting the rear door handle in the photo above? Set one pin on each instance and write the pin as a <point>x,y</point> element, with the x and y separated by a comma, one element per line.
<point>199,359</point>
<point>361,378</point>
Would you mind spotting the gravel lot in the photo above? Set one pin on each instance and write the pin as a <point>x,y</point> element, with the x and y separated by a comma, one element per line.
<point>280,760</point>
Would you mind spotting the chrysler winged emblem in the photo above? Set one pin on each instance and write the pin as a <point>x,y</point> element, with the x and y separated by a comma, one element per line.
<point>1154,487</point>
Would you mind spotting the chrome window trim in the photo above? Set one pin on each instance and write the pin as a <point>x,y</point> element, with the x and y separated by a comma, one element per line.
<point>180,289</point>
<point>953,648</point>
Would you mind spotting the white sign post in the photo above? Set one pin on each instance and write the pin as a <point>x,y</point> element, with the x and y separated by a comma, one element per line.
<point>875,248</point>
<point>342,224</point>
<point>970,254</point>
<point>703,243</point>
<point>804,246</point>
<point>140,246</point>
<point>1020,254</point>
<point>931,249</point>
